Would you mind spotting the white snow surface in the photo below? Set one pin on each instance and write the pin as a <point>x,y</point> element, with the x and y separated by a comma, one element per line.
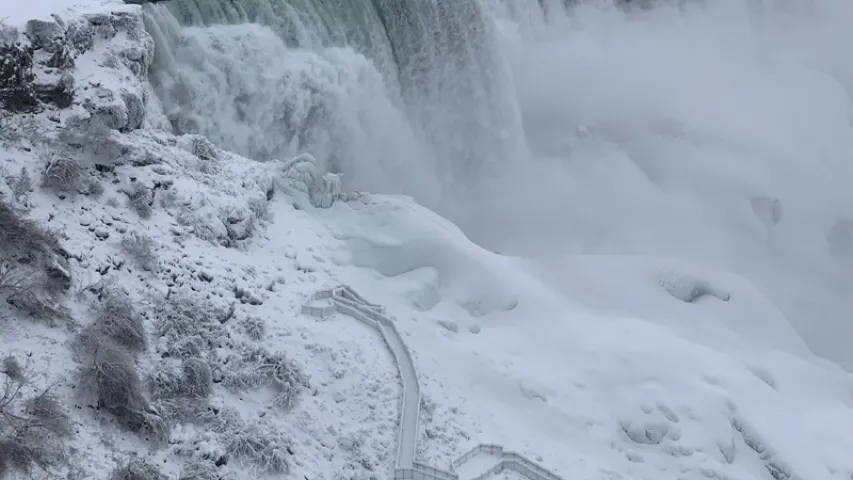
<point>16,13</point>
<point>593,365</point>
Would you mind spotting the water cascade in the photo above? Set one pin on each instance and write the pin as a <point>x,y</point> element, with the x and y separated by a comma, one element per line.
<point>409,97</point>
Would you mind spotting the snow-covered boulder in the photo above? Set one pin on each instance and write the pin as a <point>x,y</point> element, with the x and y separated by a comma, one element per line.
<point>48,64</point>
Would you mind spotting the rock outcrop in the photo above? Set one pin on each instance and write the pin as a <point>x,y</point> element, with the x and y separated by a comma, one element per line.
<point>48,63</point>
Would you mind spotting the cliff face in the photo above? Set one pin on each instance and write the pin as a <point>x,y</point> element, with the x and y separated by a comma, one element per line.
<point>133,261</point>
<point>49,65</point>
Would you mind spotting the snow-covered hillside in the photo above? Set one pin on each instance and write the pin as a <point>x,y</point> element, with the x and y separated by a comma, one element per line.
<point>153,323</point>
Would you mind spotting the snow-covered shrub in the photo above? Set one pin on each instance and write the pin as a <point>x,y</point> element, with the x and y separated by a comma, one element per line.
<point>20,185</point>
<point>117,319</point>
<point>189,322</point>
<point>203,149</point>
<point>33,429</point>
<point>137,469</point>
<point>222,419</point>
<point>258,368</point>
<point>193,379</point>
<point>254,327</point>
<point>261,445</point>
<point>139,199</point>
<point>12,369</point>
<point>62,172</point>
<point>199,469</point>
<point>118,389</point>
<point>41,307</point>
<point>299,178</point>
<point>227,220</point>
<point>93,187</point>
<point>33,275</point>
<point>259,206</point>
<point>140,248</point>
<point>198,378</point>
<point>27,242</point>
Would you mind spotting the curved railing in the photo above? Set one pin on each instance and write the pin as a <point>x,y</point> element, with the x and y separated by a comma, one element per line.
<point>506,460</point>
<point>345,300</point>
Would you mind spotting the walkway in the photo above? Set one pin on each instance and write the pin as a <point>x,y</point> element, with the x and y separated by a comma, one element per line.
<point>344,299</point>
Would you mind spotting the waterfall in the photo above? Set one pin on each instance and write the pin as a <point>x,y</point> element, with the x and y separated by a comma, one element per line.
<point>401,96</point>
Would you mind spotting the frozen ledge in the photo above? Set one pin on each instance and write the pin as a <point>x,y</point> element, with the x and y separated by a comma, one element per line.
<point>343,299</point>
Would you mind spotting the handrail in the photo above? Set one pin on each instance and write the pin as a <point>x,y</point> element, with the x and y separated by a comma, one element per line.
<point>347,301</point>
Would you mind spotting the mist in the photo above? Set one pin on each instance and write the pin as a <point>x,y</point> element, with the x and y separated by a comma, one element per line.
<point>717,133</point>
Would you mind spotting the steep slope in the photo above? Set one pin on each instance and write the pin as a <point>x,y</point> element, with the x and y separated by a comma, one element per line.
<point>162,308</point>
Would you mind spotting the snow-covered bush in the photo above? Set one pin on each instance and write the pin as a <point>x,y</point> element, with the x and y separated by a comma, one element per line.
<point>221,419</point>
<point>198,378</point>
<point>258,368</point>
<point>254,327</point>
<point>199,469</point>
<point>190,323</point>
<point>140,248</point>
<point>262,446</point>
<point>27,242</point>
<point>62,172</point>
<point>93,187</point>
<point>20,185</point>
<point>299,178</point>
<point>33,428</point>
<point>193,379</point>
<point>137,469</point>
<point>118,389</point>
<point>117,319</point>
<point>202,149</point>
<point>139,199</point>
<point>41,307</point>
<point>33,275</point>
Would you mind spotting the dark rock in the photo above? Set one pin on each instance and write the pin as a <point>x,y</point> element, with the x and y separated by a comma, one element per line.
<point>16,76</point>
<point>45,35</point>
<point>113,116</point>
<point>62,58</point>
<point>135,110</point>
<point>60,94</point>
<point>98,19</point>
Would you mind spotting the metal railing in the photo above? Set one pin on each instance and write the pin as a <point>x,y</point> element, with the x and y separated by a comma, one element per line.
<point>345,300</point>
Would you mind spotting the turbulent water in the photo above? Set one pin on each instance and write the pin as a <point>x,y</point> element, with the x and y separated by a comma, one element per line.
<point>715,131</point>
<point>399,96</point>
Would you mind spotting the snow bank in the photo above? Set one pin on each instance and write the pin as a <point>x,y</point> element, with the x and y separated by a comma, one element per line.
<point>616,366</point>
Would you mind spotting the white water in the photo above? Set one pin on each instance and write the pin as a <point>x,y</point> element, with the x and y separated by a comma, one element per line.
<point>666,132</point>
<point>655,131</point>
